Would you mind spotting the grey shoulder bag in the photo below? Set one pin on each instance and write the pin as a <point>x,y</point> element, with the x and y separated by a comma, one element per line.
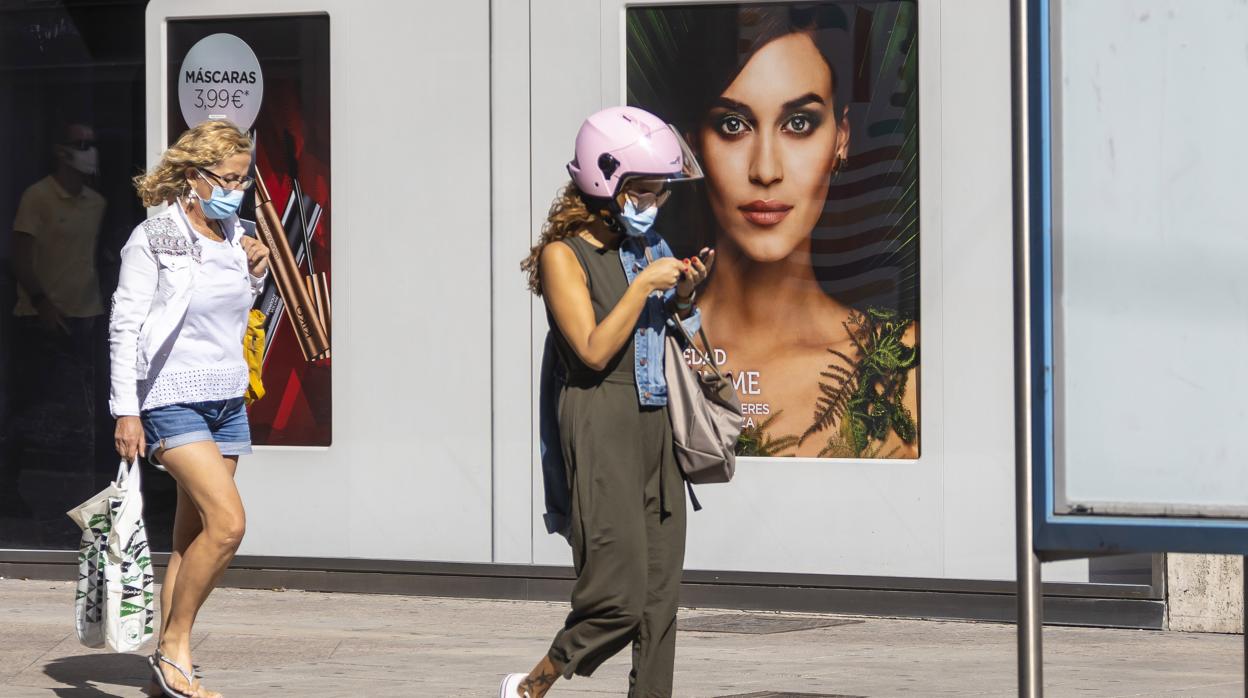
<point>704,409</point>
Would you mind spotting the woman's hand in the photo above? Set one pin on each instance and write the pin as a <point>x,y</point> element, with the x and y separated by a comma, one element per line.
<point>662,274</point>
<point>257,255</point>
<point>128,438</point>
<point>695,272</point>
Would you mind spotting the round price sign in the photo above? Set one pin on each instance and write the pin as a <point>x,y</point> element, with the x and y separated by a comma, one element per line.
<point>220,79</point>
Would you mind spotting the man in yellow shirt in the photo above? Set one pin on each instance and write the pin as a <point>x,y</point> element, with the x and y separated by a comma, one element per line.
<point>55,235</point>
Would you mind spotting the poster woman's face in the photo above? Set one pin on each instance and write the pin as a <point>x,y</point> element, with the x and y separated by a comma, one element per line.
<point>769,146</point>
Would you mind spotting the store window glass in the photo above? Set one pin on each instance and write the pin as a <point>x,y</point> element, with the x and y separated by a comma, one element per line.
<point>72,118</point>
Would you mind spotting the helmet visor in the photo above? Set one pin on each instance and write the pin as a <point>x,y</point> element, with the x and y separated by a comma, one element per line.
<point>685,170</point>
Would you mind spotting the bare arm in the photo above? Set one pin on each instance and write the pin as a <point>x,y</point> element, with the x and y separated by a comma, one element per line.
<point>24,270</point>
<point>27,225</point>
<point>24,263</point>
<point>567,294</point>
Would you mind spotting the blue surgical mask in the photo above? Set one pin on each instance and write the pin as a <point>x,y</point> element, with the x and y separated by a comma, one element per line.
<point>637,223</point>
<point>222,204</point>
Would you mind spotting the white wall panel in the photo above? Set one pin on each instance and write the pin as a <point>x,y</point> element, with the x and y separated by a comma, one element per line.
<point>409,473</point>
<point>450,135</point>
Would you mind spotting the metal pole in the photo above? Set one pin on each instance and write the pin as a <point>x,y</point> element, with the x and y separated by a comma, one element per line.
<point>1030,615</point>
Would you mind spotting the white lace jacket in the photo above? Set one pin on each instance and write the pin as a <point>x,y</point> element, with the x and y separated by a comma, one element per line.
<point>158,268</point>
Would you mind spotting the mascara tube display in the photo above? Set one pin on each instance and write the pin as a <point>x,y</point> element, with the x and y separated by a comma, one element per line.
<point>270,302</point>
<point>301,306</point>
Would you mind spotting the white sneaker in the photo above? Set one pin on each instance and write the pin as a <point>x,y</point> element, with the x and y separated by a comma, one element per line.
<point>510,684</point>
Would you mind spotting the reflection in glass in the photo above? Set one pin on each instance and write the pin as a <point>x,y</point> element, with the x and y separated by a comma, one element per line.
<point>72,90</point>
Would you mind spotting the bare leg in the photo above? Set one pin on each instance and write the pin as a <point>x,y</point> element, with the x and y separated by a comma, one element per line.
<point>540,679</point>
<point>186,528</point>
<point>231,465</point>
<point>187,525</point>
<point>208,482</point>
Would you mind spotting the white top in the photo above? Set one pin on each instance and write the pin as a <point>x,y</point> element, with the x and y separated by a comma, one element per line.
<point>206,360</point>
<point>161,271</point>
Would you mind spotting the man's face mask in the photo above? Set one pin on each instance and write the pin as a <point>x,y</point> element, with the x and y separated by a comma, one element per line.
<point>81,156</point>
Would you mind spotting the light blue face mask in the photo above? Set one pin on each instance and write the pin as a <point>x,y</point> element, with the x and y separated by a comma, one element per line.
<point>222,204</point>
<point>637,223</point>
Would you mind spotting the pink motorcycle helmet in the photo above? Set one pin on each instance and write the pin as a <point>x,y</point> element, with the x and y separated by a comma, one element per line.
<point>622,143</point>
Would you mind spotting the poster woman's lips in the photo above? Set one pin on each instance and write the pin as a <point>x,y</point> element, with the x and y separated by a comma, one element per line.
<point>765,212</point>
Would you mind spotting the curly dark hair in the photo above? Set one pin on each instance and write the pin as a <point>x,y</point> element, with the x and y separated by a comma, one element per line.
<point>568,216</point>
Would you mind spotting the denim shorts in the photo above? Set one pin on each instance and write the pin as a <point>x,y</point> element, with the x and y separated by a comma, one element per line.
<point>222,421</point>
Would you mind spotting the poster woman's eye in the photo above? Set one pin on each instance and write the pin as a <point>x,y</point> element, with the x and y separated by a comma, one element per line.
<point>732,125</point>
<point>801,124</point>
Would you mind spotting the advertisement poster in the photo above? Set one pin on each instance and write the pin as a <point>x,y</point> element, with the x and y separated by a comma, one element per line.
<point>804,117</point>
<point>270,76</point>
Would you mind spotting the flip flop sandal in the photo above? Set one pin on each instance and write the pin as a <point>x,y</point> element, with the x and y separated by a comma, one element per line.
<point>199,674</point>
<point>159,675</point>
<point>197,671</point>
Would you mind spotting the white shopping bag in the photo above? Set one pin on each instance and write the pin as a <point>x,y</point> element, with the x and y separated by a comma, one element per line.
<point>115,603</point>
<point>96,523</point>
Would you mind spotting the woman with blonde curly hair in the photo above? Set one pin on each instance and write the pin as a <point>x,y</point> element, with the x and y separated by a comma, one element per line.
<point>611,285</point>
<point>189,276</point>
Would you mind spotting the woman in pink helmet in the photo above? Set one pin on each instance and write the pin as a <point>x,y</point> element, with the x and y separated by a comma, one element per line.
<point>610,285</point>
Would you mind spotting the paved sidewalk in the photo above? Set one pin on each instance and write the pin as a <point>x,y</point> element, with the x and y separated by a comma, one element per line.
<point>279,643</point>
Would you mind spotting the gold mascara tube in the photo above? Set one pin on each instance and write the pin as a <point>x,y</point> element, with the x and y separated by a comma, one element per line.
<point>301,306</point>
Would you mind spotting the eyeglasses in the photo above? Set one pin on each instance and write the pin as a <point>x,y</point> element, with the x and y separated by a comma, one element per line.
<point>645,199</point>
<point>232,181</point>
<point>79,144</point>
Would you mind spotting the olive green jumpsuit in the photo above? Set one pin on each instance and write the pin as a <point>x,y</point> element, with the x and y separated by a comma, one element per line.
<point>628,506</point>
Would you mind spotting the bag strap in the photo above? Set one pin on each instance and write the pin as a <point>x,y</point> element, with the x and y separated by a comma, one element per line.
<point>705,351</point>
